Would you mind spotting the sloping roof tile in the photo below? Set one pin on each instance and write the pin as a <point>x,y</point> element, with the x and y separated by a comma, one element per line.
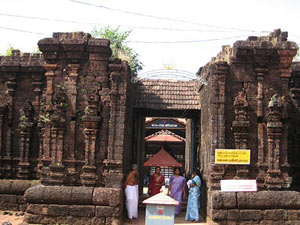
<point>162,158</point>
<point>160,199</point>
<point>165,94</point>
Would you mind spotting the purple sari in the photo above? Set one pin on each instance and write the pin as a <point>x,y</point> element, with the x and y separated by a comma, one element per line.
<point>177,184</point>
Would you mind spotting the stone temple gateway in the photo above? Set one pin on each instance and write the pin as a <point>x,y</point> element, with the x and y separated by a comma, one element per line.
<point>69,118</point>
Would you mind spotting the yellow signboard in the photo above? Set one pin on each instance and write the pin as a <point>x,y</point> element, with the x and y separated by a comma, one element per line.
<point>232,156</point>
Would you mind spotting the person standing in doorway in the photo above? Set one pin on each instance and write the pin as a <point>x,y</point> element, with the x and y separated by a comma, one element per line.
<point>177,188</point>
<point>193,206</point>
<point>132,193</point>
<point>156,182</point>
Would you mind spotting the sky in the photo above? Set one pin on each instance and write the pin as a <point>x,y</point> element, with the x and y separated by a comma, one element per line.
<point>197,29</point>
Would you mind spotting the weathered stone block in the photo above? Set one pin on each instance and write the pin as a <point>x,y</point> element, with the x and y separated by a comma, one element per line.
<point>106,211</point>
<point>21,199</point>
<point>112,221</point>
<point>48,220</point>
<point>98,221</point>
<point>219,214</point>
<point>57,195</point>
<point>59,210</point>
<point>276,214</point>
<point>268,200</point>
<point>249,223</point>
<point>8,198</point>
<point>233,214</point>
<point>223,200</point>
<point>251,215</point>
<point>271,222</point>
<point>293,214</point>
<point>22,207</point>
<point>9,206</point>
<point>82,196</point>
<point>101,196</point>
<point>33,219</point>
<point>5,186</point>
<point>80,211</point>
<point>35,194</point>
<point>18,187</point>
<point>115,197</point>
<point>37,209</point>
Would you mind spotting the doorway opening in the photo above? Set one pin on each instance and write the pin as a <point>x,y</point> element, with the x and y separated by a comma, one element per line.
<point>176,133</point>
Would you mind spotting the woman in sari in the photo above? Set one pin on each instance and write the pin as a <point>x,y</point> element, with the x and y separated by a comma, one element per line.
<point>177,188</point>
<point>156,182</point>
<point>193,206</point>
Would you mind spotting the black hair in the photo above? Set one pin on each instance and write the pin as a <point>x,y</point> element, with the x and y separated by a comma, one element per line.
<point>157,167</point>
<point>197,171</point>
<point>177,168</point>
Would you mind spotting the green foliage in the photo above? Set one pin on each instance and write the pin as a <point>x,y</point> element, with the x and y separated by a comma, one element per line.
<point>297,56</point>
<point>8,51</point>
<point>37,50</point>
<point>118,40</point>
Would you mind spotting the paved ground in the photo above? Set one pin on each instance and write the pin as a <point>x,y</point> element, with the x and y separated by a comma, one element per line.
<point>178,220</point>
<point>19,220</point>
<point>13,219</point>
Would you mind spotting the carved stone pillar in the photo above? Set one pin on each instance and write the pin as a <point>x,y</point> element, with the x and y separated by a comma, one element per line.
<point>240,129</point>
<point>58,125</point>
<point>37,89</point>
<point>71,83</point>
<point>11,84</point>
<point>274,131</point>
<point>260,71</point>
<point>219,72</point>
<point>2,115</point>
<point>91,124</point>
<point>285,62</point>
<point>25,127</point>
<point>113,173</point>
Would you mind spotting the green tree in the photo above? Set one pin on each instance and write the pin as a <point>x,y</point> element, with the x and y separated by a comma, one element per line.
<point>297,56</point>
<point>8,51</point>
<point>120,49</point>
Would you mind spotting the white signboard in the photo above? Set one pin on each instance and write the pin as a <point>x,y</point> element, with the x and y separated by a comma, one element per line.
<point>238,185</point>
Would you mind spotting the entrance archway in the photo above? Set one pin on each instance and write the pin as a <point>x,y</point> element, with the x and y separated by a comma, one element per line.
<point>171,101</point>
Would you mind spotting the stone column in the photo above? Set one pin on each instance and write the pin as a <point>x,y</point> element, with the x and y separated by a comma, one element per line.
<point>58,126</point>
<point>240,130</point>
<point>25,127</point>
<point>71,84</point>
<point>2,116</point>
<point>91,122</point>
<point>11,84</point>
<point>117,124</point>
<point>217,82</point>
<point>260,71</point>
<point>188,146</point>
<point>274,131</point>
<point>285,62</point>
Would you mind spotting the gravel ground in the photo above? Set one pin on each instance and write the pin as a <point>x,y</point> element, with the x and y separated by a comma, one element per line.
<point>14,218</point>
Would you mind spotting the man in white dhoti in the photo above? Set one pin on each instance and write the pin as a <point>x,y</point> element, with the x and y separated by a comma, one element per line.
<point>132,193</point>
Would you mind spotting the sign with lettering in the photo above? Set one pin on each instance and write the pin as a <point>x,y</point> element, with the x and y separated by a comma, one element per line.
<point>238,185</point>
<point>164,123</point>
<point>232,156</point>
<point>160,214</point>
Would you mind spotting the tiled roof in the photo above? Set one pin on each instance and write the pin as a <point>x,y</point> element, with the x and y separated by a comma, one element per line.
<point>167,95</point>
<point>162,158</point>
<point>160,199</point>
<point>164,135</point>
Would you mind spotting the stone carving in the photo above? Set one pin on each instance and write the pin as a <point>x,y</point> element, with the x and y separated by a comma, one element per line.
<point>25,118</point>
<point>58,111</point>
<point>240,106</point>
<point>275,107</point>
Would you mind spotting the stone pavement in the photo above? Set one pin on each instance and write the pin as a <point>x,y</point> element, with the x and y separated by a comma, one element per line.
<point>178,220</point>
